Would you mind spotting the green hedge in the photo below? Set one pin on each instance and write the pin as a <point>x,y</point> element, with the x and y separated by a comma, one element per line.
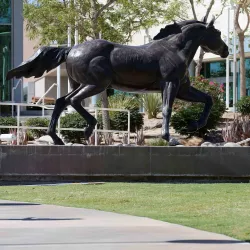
<point>7,121</point>
<point>243,106</point>
<point>37,122</point>
<point>73,120</point>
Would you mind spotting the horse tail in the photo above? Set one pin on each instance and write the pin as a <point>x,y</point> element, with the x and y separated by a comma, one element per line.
<point>45,59</point>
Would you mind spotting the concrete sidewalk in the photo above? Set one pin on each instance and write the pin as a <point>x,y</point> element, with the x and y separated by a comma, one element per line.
<point>46,227</point>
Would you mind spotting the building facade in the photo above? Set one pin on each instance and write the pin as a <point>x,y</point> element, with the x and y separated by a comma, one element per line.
<point>215,70</point>
<point>11,48</point>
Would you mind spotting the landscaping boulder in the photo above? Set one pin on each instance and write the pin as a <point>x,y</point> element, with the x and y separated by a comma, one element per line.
<point>174,142</point>
<point>232,144</point>
<point>208,144</point>
<point>193,141</point>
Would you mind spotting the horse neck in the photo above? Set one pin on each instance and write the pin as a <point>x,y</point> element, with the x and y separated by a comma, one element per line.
<point>191,40</point>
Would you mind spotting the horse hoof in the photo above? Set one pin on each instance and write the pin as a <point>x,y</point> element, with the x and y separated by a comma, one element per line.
<point>56,139</point>
<point>166,137</point>
<point>58,142</point>
<point>87,133</point>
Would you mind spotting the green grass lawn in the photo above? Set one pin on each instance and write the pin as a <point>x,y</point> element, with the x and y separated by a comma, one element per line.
<point>220,208</point>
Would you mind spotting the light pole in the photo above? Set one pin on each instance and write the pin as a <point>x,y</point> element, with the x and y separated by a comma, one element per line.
<point>58,76</point>
<point>234,60</point>
<point>69,45</point>
<point>228,61</point>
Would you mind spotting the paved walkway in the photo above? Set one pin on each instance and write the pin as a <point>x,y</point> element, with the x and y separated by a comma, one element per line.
<point>45,227</point>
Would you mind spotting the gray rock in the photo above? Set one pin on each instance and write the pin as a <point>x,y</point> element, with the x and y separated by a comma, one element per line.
<point>208,144</point>
<point>152,124</point>
<point>41,143</point>
<point>232,144</point>
<point>46,139</point>
<point>174,142</point>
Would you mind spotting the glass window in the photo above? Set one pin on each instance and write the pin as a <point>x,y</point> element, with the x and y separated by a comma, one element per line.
<point>5,11</point>
<point>215,69</point>
<point>247,64</point>
<point>5,62</point>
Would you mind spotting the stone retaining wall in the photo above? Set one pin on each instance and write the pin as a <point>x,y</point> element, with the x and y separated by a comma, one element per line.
<point>102,162</point>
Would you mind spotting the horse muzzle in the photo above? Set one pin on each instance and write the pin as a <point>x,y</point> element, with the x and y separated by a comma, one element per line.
<point>225,52</point>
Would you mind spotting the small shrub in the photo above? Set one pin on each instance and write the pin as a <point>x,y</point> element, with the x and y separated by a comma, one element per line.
<point>37,122</point>
<point>237,130</point>
<point>73,120</point>
<point>188,112</point>
<point>7,121</point>
<point>23,139</point>
<point>118,119</point>
<point>140,138</point>
<point>232,131</point>
<point>152,104</point>
<point>243,106</point>
<point>158,142</point>
<point>30,136</point>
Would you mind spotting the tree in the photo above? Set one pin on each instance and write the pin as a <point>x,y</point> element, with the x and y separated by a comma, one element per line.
<point>115,20</point>
<point>48,20</point>
<point>242,6</point>
<point>4,8</point>
<point>194,3</point>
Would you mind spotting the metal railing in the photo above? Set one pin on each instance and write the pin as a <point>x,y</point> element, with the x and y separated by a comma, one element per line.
<point>51,107</point>
<point>13,94</point>
<point>42,98</point>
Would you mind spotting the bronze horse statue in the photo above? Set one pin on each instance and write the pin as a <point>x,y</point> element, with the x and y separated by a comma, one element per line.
<point>159,66</point>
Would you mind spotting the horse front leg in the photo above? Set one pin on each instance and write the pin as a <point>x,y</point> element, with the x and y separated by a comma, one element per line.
<point>169,92</point>
<point>194,95</point>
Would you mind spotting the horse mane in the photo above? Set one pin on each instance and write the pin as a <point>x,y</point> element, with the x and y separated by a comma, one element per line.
<point>187,27</point>
<point>174,28</point>
<point>169,29</point>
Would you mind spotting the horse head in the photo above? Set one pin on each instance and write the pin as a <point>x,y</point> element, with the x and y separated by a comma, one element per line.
<point>212,42</point>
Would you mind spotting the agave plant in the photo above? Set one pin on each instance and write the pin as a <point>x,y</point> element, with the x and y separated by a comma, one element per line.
<point>237,130</point>
<point>152,104</point>
<point>245,121</point>
<point>232,132</point>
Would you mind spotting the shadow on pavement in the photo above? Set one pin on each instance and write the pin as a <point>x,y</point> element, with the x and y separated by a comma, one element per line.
<point>39,219</point>
<point>18,204</point>
<point>207,241</point>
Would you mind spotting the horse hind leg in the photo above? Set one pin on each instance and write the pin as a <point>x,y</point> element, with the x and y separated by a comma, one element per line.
<point>97,79</point>
<point>60,105</point>
<point>76,103</point>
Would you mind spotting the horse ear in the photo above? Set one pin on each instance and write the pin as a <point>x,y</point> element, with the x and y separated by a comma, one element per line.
<point>204,19</point>
<point>175,23</point>
<point>211,23</point>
